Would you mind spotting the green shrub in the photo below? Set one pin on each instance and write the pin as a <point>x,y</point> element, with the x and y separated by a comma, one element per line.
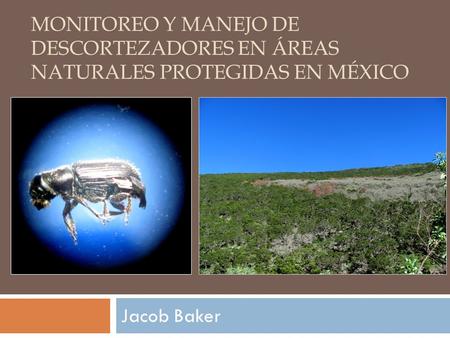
<point>241,221</point>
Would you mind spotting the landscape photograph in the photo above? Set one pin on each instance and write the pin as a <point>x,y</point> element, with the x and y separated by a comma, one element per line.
<point>322,186</point>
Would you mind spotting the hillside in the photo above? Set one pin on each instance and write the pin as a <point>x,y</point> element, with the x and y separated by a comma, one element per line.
<point>378,220</point>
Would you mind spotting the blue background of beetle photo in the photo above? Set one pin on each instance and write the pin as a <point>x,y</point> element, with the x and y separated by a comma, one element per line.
<point>102,131</point>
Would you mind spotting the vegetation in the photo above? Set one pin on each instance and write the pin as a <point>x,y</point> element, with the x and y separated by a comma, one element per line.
<point>247,228</point>
<point>410,169</point>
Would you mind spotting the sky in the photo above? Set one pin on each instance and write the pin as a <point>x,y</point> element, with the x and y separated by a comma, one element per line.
<point>255,135</point>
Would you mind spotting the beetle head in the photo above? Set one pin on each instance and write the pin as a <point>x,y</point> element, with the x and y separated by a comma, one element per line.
<point>40,192</point>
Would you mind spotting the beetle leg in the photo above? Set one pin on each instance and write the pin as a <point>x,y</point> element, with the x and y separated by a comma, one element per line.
<point>106,213</point>
<point>116,202</point>
<point>96,214</point>
<point>118,206</point>
<point>128,209</point>
<point>68,220</point>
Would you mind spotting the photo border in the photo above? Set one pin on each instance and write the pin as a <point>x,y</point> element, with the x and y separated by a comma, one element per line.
<point>322,97</point>
<point>11,180</point>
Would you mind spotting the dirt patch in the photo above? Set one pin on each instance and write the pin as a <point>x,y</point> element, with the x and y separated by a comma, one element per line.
<point>426,187</point>
<point>288,243</point>
<point>322,189</point>
<point>259,183</point>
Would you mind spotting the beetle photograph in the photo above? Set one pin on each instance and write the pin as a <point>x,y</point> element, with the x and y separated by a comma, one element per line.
<point>101,186</point>
<point>93,181</point>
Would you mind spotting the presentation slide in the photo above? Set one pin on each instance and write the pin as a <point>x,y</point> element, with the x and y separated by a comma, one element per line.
<point>172,168</point>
